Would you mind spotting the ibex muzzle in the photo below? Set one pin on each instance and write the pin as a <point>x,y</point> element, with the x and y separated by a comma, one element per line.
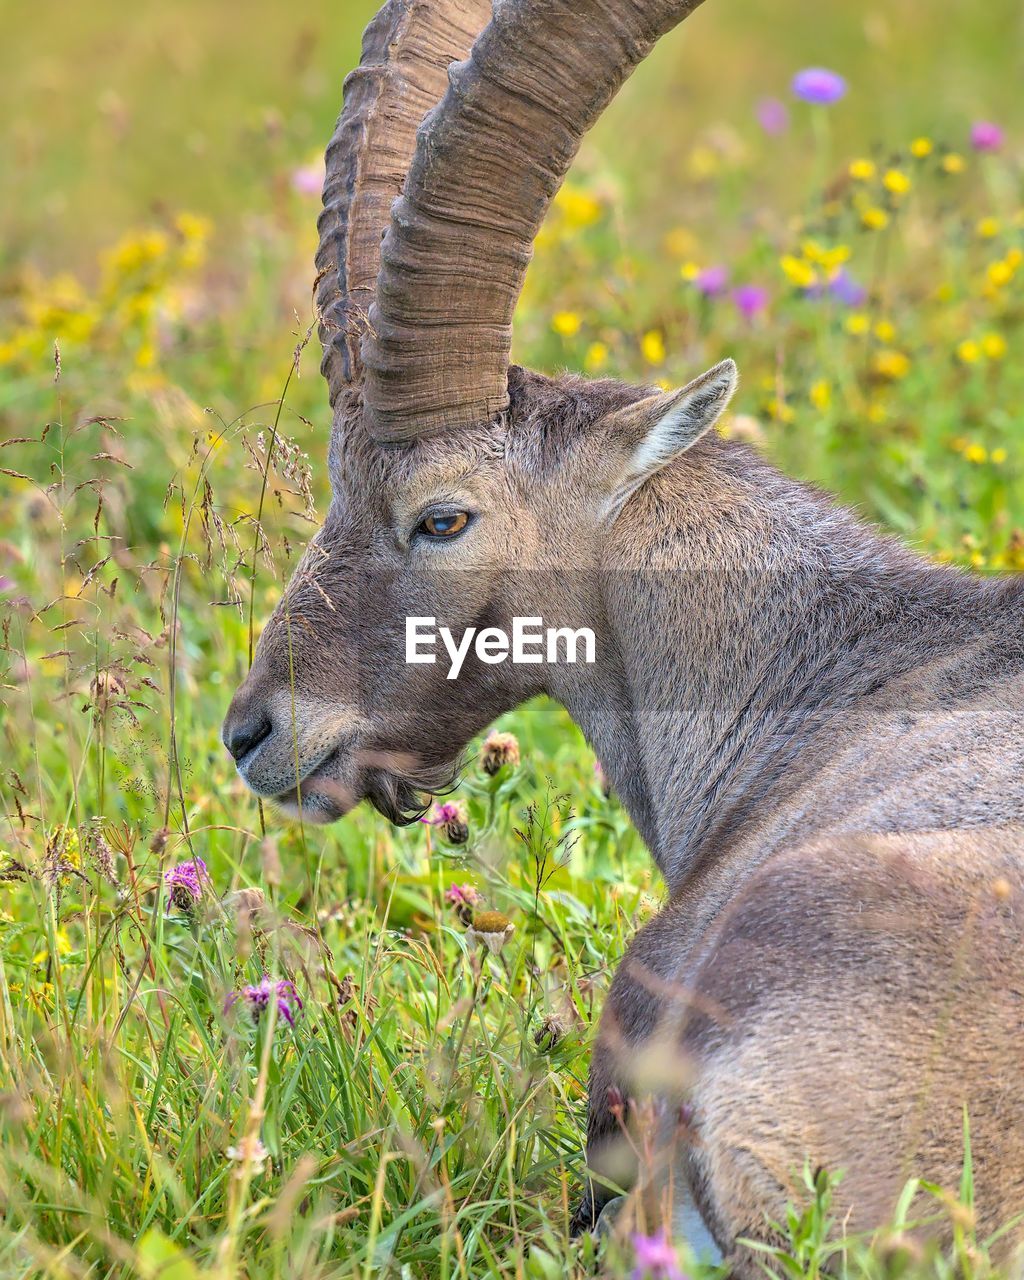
<point>819,735</point>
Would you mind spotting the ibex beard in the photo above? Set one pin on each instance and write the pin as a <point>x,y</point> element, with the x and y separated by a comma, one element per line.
<point>819,736</point>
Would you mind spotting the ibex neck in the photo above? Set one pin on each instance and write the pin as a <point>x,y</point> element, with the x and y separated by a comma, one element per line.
<point>744,617</point>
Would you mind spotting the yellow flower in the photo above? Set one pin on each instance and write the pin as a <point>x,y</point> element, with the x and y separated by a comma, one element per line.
<point>896,181</point>
<point>798,271</point>
<point>999,273</point>
<point>987,228</point>
<point>885,331</point>
<point>858,324</point>
<point>953,163</point>
<point>874,218</point>
<point>566,323</point>
<point>821,394</point>
<point>704,162</point>
<point>944,292</point>
<point>862,170</point>
<point>596,357</point>
<point>999,456</point>
<point>976,453</point>
<point>994,346</point>
<point>891,364</point>
<point>689,270</point>
<point>921,147</point>
<point>145,357</point>
<point>680,242</point>
<point>780,411</point>
<point>579,208</point>
<point>1014,258</point>
<point>193,226</point>
<point>969,351</point>
<point>876,412</point>
<point>652,345</point>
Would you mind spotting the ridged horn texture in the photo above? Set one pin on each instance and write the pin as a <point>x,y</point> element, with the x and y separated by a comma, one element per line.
<point>407,50</point>
<point>488,160</point>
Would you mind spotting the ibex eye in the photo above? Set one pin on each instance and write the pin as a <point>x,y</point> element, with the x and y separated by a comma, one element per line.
<point>444,524</point>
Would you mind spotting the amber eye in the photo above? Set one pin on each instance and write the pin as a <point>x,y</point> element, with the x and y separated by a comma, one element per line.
<point>444,524</point>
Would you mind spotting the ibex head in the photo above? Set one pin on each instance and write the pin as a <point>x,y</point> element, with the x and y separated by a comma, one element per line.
<point>463,489</point>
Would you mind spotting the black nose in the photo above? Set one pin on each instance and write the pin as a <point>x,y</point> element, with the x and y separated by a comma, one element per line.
<point>244,731</point>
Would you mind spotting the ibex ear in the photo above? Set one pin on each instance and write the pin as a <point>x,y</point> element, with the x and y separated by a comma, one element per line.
<point>654,431</point>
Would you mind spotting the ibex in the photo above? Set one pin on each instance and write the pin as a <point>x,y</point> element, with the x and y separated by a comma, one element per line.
<point>817,733</point>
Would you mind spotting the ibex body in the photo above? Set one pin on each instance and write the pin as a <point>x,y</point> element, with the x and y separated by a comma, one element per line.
<point>818,735</point>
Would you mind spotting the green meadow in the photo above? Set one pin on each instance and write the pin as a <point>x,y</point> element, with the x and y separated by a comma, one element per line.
<point>408,1103</point>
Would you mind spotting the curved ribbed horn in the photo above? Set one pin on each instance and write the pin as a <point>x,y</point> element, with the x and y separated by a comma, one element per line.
<point>488,160</point>
<point>407,50</point>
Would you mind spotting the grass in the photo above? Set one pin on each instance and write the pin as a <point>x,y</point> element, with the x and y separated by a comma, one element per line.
<point>424,1115</point>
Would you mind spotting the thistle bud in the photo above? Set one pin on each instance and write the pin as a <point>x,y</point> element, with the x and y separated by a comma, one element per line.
<point>499,749</point>
<point>159,841</point>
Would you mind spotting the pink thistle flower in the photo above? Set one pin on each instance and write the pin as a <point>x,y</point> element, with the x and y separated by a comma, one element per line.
<point>750,300</point>
<point>440,814</point>
<point>772,116</point>
<point>711,281</point>
<point>308,179</point>
<point>184,883</point>
<point>655,1258</point>
<point>986,136</point>
<point>819,86</point>
<point>257,999</point>
<point>462,895</point>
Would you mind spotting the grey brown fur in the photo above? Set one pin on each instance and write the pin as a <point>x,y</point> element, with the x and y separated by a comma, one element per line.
<point>817,733</point>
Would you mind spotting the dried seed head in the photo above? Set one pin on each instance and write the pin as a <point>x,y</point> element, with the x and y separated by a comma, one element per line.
<point>490,929</point>
<point>106,687</point>
<point>159,841</point>
<point>499,749</point>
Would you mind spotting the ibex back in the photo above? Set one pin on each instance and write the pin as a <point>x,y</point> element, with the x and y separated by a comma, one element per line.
<point>818,734</point>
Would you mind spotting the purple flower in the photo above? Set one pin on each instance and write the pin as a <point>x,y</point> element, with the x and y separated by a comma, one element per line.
<point>846,290</point>
<point>462,895</point>
<point>819,85</point>
<point>655,1258</point>
<point>257,999</point>
<point>308,179</point>
<point>6,584</point>
<point>986,136</point>
<point>750,299</point>
<point>772,116</point>
<point>184,883</point>
<point>440,814</point>
<point>711,281</point>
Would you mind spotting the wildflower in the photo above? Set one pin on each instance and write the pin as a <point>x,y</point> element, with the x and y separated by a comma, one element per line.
<point>596,357</point>
<point>499,749</point>
<point>463,897</point>
<point>772,116</point>
<point>891,365</point>
<point>158,843</point>
<point>680,242</point>
<point>976,453</point>
<point>99,851</point>
<point>986,136</point>
<point>821,394</point>
<point>819,86</point>
<point>999,273</point>
<point>750,300</point>
<point>490,929</point>
<point>184,883</point>
<point>987,228</point>
<point>968,351</point>
<point>452,818</point>
<point>258,997</point>
<point>689,271</point>
<point>999,456</point>
<point>579,208</point>
<point>308,179</point>
<point>846,289</point>
<point>994,346</point>
<point>652,344</point>
<point>921,147</point>
<point>885,331</point>
<point>896,181</point>
<point>566,323</point>
<point>952,163</point>
<point>250,1155</point>
<point>858,324</point>
<point>798,272</point>
<point>656,1259</point>
<point>711,281</point>
<point>874,219</point>
<point>862,170</point>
